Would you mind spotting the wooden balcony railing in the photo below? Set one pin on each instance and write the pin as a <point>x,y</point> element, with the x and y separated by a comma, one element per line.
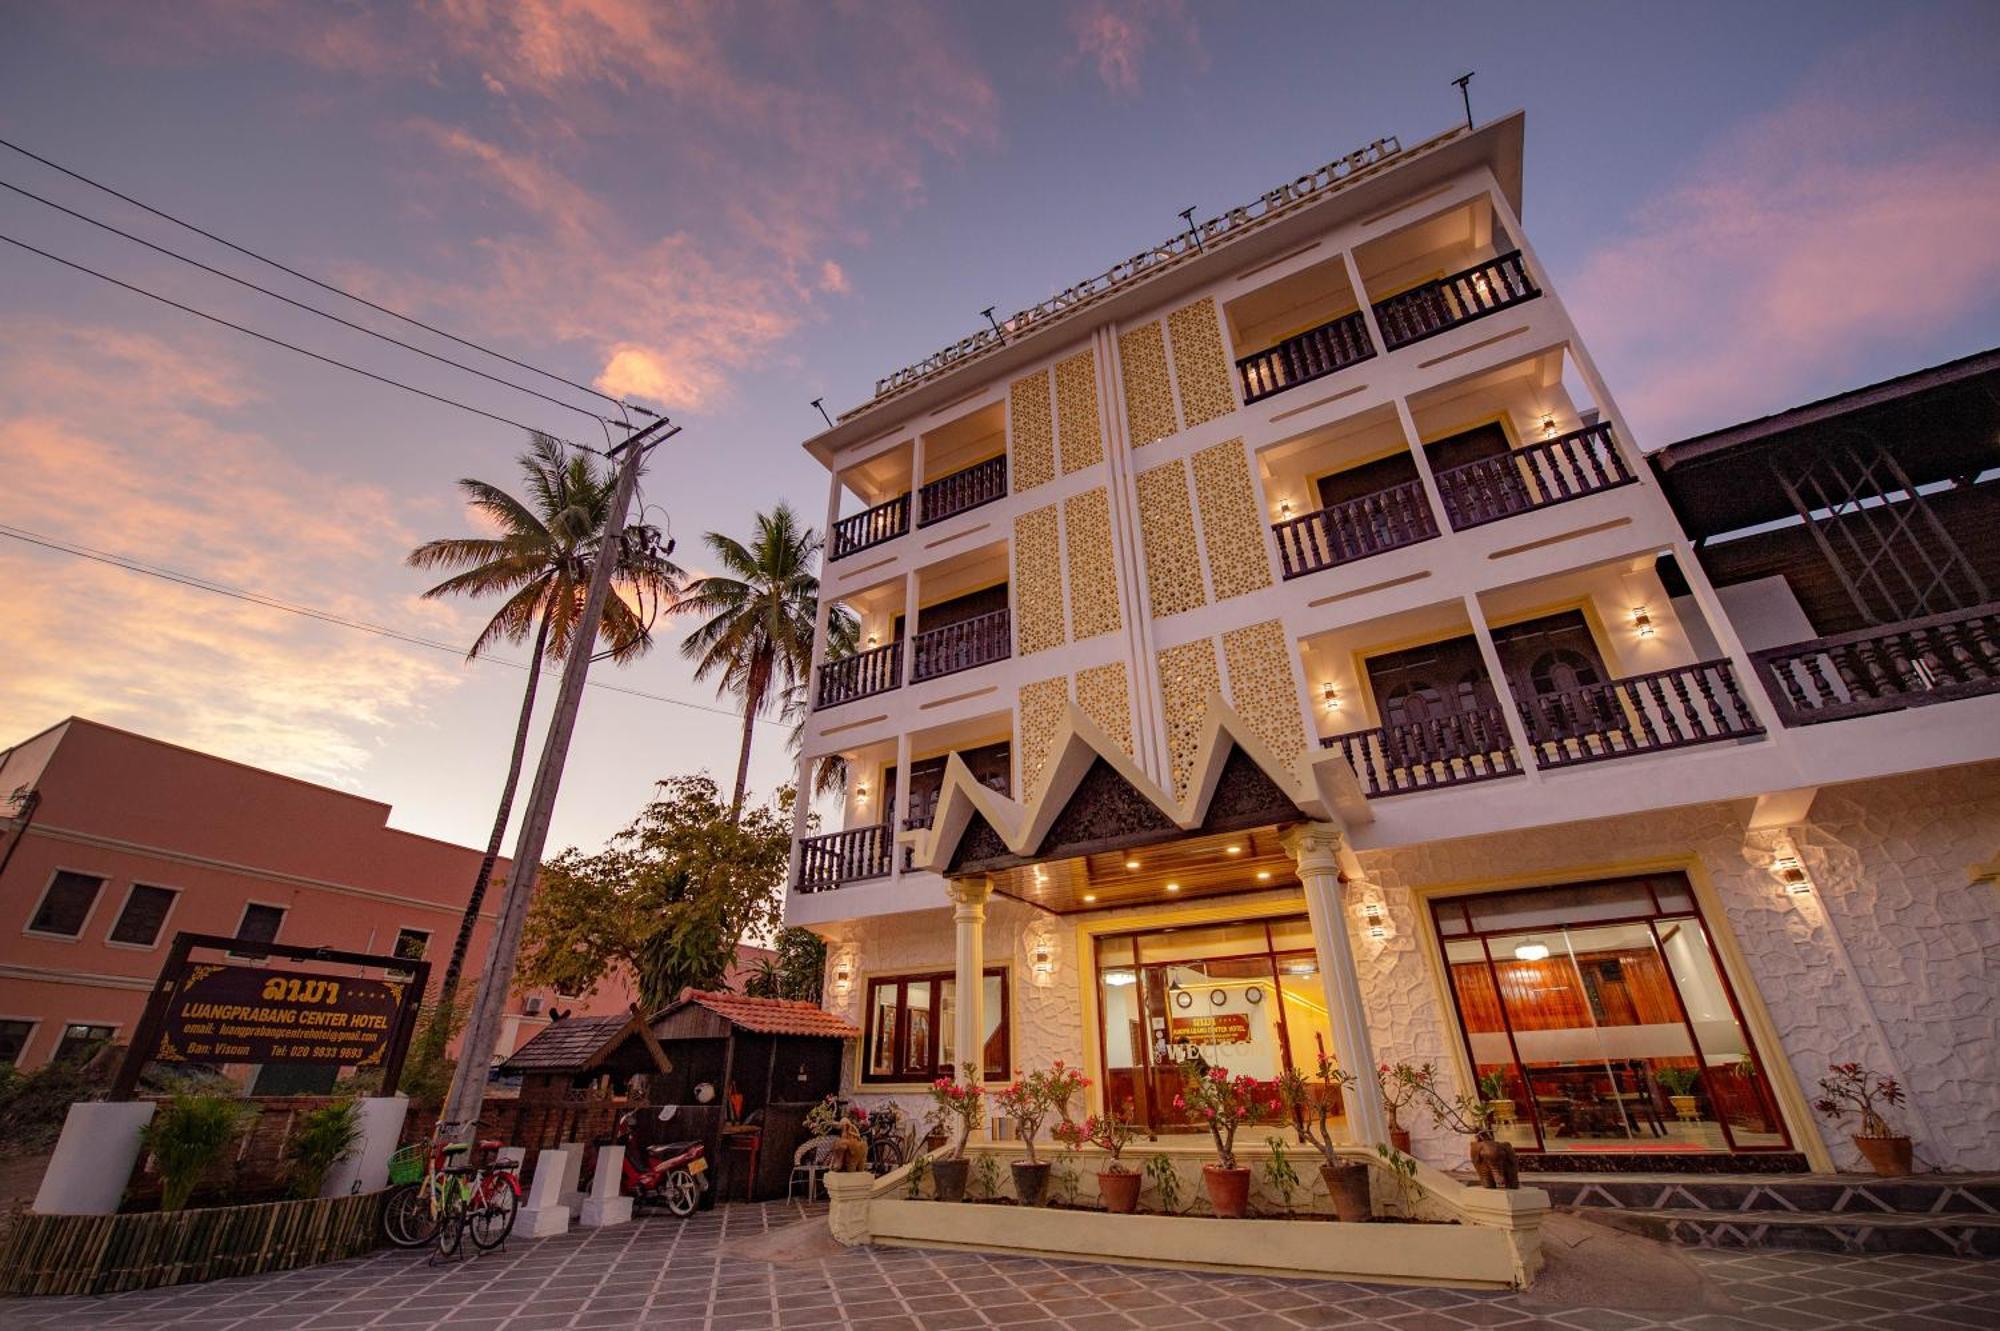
<point>1430,754</point>
<point>924,801</point>
<point>884,522</point>
<point>827,862</point>
<point>874,671</point>
<point>961,646</point>
<point>1355,529</point>
<point>1665,709</point>
<point>1445,303</point>
<point>947,496</point>
<point>1310,355</point>
<point>1552,471</point>
<point>1885,669</point>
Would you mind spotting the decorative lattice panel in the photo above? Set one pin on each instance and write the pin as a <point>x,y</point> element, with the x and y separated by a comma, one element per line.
<point>1188,676</point>
<point>1102,693</point>
<point>1263,685</point>
<point>1166,524</point>
<point>1076,412</point>
<point>1200,367</point>
<point>1038,581</point>
<point>1232,529</point>
<point>1093,577</point>
<point>1031,432</point>
<point>1149,395</point>
<point>1041,715</point>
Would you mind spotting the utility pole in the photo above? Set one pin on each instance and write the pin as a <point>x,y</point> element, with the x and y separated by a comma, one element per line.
<point>482,1031</point>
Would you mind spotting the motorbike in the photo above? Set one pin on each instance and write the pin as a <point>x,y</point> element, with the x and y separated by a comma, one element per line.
<point>674,1176</point>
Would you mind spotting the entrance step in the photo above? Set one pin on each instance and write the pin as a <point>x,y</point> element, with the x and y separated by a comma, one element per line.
<point>1946,1235</point>
<point>1839,1194</point>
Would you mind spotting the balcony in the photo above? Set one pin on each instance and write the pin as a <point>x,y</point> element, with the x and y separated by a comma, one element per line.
<point>1440,751</point>
<point>990,764</point>
<point>838,858</point>
<point>964,645</point>
<point>1444,303</point>
<point>1310,355</point>
<point>1553,471</point>
<point>871,527</point>
<point>1885,669</point>
<point>859,676</point>
<point>1372,524</point>
<point>963,491</point>
<point>1675,708</point>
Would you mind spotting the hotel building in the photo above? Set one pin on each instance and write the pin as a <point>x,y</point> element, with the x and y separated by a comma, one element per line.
<point>1281,645</point>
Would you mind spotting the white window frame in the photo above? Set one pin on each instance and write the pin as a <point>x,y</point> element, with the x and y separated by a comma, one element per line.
<point>104,882</point>
<point>34,1025</point>
<point>131,889</point>
<point>62,1030</point>
<point>430,935</point>
<point>284,910</point>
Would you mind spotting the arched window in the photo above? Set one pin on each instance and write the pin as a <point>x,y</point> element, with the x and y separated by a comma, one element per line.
<point>1560,670</point>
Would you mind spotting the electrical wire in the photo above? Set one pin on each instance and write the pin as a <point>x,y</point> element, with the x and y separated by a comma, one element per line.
<point>297,304</point>
<point>324,286</point>
<point>198,583</point>
<point>280,342</point>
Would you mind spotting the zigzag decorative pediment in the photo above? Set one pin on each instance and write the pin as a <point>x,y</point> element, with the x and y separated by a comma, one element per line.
<point>1095,797</point>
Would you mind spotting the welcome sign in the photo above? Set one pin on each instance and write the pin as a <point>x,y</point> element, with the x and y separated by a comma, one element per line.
<point>245,1014</point>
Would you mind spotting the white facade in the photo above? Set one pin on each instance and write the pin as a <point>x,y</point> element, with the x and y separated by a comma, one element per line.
<point>1149,518</point>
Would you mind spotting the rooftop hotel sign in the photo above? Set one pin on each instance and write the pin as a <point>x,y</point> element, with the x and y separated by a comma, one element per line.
<point>1224,226</point>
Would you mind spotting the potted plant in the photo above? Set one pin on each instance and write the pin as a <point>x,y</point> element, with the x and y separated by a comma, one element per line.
<point>1117,1184</point>
<point>321,1139</point>
<point>1311,1108</point>
<point>1028,1102</point>
<point>1399,1087</point>
<point>1680,1084</point>
<point>955,1105</point>
<point>1225,1104</point>
<point>187,1136</point>
<point>1493,1086</point>
<point>1851,1088</point>
<point>1494,1161</point>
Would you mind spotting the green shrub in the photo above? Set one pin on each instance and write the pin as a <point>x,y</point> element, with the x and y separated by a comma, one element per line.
<point>189,1135</point>
<point>321,1139</point>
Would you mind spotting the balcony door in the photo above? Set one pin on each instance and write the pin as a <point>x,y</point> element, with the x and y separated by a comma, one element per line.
<point>1423,693</point>
<point>1556,671</point>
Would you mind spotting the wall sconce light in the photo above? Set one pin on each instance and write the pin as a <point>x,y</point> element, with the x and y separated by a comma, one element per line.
<point>843,977</point>
<point>1792,874</point>
<point>1377,922</point>
<point>1043,961</point>
<point>1330,696</point>
<point>1548,425</point>
<point>1284,508</point>
<point>1642,623</point>
<point>874,639</point>
<point>861,793</point>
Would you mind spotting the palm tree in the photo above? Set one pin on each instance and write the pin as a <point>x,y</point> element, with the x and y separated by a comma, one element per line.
<point>542,561</point>
<point>758,633</point>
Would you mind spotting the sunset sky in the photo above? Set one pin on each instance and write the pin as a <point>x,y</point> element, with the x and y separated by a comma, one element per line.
<point>729,210</point>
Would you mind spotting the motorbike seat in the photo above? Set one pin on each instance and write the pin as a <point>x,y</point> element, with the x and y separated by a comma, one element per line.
<point>670,1148</point>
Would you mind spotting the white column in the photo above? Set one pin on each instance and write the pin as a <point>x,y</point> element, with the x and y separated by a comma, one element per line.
<point>968,896</point>
<point>93,1158</point>
<point>366,1167</point>
<point>1315,848</point>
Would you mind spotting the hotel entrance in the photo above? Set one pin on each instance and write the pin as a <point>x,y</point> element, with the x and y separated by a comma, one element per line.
<point>1244,996</point>
<point>1598,1019</point>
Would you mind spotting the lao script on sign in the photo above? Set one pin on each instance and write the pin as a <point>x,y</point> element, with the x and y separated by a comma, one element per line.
<point>244,1014</point>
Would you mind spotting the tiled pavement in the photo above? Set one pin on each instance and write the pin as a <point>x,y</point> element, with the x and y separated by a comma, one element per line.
<point>663,1273</point>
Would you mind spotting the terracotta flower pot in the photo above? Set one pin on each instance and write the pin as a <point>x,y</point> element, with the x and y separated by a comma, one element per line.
<point>1347,1185</point>
<point>1031,1182</point>
<point>1120,1191</point>
<point>1686,1107</point>
<point>948,1177</point>
<point>1888,1156</point>
<point>1400,1139</point>
<point>1228,1190</point>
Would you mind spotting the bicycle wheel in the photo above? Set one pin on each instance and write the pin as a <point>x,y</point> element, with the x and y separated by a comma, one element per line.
<point>406,1217</point>
<point>681,1193</point>
<point>451,1216</point>
<point>492,1220</point>
<point>884,1157</point>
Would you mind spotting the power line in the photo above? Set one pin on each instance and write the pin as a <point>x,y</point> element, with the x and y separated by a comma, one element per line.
<point>198,583</point>
<point>305,277</point>
<point>297,304</point>
<point>280,342</point>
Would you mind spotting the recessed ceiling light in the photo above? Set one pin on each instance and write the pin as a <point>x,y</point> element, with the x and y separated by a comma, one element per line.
<point>1089,896</point>
<point>1232,850</point>
<point>1131,864</point>
<point>1173,887</point>
<point>1263,874</point>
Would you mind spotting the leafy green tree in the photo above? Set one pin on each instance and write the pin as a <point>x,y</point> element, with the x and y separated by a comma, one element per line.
<point>668,900</point>
<point>541,560</point>
<point>796,971</point>
<point>757,634</point>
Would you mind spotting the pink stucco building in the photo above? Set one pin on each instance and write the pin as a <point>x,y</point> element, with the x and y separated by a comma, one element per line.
<point>111,842</point>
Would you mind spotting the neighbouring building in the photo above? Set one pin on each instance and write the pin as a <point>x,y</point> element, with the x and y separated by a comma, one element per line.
<point>111,842</point>
<point>1280,645</point>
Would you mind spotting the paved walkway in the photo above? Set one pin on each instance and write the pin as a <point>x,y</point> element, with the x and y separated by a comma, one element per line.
<point>663,1273</point>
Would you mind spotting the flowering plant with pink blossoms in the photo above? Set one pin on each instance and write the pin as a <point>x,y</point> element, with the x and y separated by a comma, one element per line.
<point>1225,1103</point>
<point>960,1103</point>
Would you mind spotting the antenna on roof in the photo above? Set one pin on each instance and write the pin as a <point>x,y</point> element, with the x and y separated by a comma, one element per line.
<point>1465,92</point>
<point>988,312</point>
<point>820,402</point>
<point>1187,215</point>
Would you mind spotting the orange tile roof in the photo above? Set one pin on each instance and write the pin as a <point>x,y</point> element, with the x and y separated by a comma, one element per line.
<point>772,1016</point>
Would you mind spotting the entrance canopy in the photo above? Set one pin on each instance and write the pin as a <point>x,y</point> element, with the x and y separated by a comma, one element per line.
<point>1096,831</point>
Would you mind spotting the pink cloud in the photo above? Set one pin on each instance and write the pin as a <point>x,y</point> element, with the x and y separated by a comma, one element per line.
<point>1850,219</point>
<point>1115,36</point>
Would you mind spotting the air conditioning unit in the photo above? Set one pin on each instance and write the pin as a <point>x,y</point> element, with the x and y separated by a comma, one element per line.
<point>534,1005</point>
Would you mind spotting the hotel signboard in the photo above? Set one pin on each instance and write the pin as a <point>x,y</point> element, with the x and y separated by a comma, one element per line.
<point>1222,1028</point>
